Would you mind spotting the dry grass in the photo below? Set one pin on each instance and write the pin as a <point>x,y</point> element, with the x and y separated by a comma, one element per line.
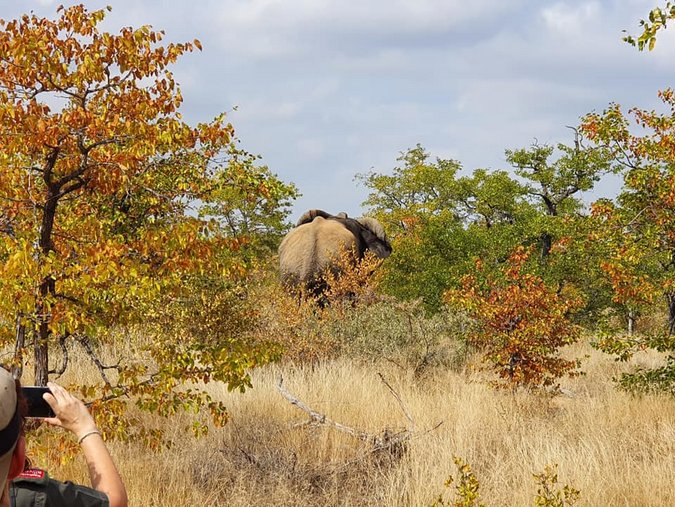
<point>615,448</point>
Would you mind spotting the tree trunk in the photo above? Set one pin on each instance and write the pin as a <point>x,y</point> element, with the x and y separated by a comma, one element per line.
<point>546,243</point>
<point>19,344</point>
<point>632,318</point>
<point>670,298</point>
<point>41,337</point>
<point>47,288</point>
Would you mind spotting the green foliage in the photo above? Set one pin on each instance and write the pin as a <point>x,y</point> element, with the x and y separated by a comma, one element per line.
<point>249,202</point>
<point>641,379</point>
<point>553,184</point>
<point>440,221</point>
<point>466,488</point>
<point>427,260</point>
<point>415,202</point>
<point>491,198</point>
<point>548,494</point>
<point>657,20</point>
<point>651,380</point>
<point>418,188</point>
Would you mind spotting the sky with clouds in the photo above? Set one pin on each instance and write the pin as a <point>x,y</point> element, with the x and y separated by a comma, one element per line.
<point>326,89</point>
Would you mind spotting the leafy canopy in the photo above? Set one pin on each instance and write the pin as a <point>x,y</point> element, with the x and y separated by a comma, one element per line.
<point>99,177</point>
<point>637,231</point>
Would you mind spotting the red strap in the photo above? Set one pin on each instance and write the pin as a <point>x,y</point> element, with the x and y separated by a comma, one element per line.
<point>32,473</point>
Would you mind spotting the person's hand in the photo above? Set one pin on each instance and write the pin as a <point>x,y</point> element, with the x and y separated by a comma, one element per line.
<point>70,413</point>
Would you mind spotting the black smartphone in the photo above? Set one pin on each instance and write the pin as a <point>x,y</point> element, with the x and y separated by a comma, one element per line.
<point>37,406</point>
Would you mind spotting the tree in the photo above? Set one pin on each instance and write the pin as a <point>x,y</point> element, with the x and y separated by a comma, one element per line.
<point>638,231</point>
<point>418,207</point>
<point>490,199</point>
<point>439,221</point>
<point>418,190</point>
<point>98,175</point>
<point>554,184</point>
<point>521,323</point>
<point>249,202</point>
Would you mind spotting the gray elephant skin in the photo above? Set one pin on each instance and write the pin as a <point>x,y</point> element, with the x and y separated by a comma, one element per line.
<point>312,246</point>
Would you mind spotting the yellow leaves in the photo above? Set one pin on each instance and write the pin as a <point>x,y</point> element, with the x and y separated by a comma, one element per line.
<point>21,262</point>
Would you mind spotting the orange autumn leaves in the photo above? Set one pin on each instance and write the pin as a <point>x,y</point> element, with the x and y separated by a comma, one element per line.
<point>520,322</point>
<point>99,176</point>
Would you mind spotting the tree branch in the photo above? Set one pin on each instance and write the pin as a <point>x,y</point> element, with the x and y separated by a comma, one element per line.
<point>86,344</point>
<point>318,418</point>
<point>64,349</point>
<point>400,403</point>
<point>387,439</point>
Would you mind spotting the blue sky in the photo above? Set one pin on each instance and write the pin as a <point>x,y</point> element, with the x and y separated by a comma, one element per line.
<point>326,89</point>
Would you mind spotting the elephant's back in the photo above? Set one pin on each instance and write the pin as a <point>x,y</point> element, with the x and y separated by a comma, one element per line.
<point>309,248</point>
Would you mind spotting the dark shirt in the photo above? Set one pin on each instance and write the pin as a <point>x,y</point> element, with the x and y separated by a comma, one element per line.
<point>34,488</point>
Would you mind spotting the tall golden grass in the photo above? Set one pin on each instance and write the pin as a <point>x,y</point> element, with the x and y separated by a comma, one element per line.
<point>615,448</point>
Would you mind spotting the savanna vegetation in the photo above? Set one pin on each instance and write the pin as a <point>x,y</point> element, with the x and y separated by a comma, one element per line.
<point>516,348</point>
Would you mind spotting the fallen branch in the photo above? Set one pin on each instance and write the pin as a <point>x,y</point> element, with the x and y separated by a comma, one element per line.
<point>318,418</point>
<point>395,442</point>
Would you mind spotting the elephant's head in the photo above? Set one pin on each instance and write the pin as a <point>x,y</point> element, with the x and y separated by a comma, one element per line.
<point>374,237</point>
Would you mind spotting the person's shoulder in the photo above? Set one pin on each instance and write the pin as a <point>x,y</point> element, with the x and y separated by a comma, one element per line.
<point>31,478</point>
<point>35,482</point>
<point>29,488</point>
<point>76,494</point>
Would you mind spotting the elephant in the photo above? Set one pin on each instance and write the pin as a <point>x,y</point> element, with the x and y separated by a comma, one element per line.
<point>312,246</point>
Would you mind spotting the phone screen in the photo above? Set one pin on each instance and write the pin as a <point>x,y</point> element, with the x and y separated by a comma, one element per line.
<point>37,406</point>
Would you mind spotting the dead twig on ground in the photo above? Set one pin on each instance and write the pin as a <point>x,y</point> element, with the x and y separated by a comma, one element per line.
<point>393,441</point>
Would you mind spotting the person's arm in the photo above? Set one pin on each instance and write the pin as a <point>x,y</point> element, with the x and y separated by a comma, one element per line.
<point>72,414</point>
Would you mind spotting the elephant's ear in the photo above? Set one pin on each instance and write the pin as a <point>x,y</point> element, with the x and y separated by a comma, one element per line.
<point>374,237</point>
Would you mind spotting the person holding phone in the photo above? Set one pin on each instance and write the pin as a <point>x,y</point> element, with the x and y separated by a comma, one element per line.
<point>32,486</point>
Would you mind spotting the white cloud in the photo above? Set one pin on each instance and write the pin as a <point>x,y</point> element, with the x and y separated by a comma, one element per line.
<point>259,109</point>
<point>329,88</point>
<point>568,20</point>
<point>275,28</point>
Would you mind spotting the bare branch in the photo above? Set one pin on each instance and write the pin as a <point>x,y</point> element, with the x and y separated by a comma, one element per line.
<point>392,441</point>
<point>64,349</point>
<point>318,418</point>
<point>400,402</point>
<point>86,344</point>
